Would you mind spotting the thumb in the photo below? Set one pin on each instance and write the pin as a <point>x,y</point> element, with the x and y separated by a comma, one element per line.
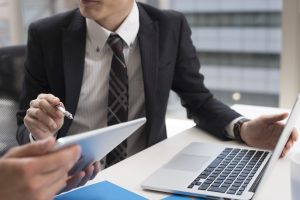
<point>34,149</point>
<point>274,118</point>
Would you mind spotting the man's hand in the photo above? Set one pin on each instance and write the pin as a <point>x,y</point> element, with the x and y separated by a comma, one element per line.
<point>81,178</point>
<point>43,119</point>
<point>264,132</point>
<point>33,172</point>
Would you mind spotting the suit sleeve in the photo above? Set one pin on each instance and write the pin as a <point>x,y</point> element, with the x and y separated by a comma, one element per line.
<point>207,112</point>
<point>35,81</point>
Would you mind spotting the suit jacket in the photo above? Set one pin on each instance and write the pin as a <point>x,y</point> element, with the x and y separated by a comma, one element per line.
<point>55,61</point>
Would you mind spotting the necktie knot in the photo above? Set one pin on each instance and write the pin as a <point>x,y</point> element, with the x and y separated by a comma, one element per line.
<point>116,43</point>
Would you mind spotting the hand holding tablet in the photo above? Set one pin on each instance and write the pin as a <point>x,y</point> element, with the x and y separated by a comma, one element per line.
<point>98,143</point>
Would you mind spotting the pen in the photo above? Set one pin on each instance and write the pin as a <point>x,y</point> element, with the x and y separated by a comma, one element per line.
<point>66,113</point>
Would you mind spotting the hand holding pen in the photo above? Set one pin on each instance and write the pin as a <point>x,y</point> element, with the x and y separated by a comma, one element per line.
<point>45,116</point>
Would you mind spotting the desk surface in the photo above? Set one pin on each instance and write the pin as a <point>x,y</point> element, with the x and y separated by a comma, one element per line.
<point>131,172</point>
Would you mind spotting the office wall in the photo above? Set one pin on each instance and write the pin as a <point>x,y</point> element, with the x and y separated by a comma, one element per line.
<point>239,46</point>
<point>16,15</point>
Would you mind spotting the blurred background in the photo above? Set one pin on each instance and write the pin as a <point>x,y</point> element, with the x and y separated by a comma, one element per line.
<point>239,42</point>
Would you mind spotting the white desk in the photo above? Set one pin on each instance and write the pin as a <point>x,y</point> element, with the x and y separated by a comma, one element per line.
<point>131,172</point>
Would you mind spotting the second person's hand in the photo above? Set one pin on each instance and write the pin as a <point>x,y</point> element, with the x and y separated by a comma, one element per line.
<point>33,171</point>
<point>82,177</point>
<point>42,118</point>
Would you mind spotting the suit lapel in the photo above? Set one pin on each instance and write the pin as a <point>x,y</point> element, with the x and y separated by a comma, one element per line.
<point>148,43</point>
<point>73,44</point>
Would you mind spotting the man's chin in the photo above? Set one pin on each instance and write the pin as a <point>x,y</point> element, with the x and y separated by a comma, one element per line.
<point>89,13</point>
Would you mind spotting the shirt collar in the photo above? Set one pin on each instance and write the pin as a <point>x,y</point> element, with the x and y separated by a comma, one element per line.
<point>128,30</point>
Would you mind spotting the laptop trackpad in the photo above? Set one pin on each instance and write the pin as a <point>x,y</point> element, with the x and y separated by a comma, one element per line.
<point>187,162</point>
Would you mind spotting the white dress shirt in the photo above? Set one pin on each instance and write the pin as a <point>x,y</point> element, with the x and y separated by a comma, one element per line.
<point>91,110</point>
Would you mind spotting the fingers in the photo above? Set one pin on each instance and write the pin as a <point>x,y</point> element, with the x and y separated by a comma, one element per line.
<point>63,159</point>
<point>274,118</point>
<point>35,149</point>
<point>294,136</point>
<point>97,168</point>
<point>81,178</point>
<point>88,174</point>
<point>47,103</point>
<point>39,129</point>
<point>286,149</point>
<point>52,190</point>
<point>49,173</point>
<point>42,118</point>
<point>52,183</point>
<point>50,98</point>
<point>43,175</point>
<point>47,106</point>
<point>290,143</point>
<point>74,181</point>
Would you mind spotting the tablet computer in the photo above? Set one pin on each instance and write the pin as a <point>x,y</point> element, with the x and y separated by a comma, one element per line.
<point>98,143</point>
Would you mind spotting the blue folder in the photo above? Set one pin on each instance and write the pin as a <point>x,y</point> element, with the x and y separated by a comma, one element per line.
<point>181,197</point>
<point>99,191</point>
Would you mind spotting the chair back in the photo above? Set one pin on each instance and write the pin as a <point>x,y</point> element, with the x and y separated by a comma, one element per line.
<point>11,78</point>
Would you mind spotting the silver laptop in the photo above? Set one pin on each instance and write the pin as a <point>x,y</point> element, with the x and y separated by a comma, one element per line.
<point>215,171</point>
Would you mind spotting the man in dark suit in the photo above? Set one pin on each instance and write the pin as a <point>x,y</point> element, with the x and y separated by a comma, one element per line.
<point>72,62</point>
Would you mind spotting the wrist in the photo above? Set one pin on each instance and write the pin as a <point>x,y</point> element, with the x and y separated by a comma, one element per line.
<point>238,128</point>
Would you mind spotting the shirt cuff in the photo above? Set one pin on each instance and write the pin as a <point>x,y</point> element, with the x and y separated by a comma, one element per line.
<point>229,128</point>
<point>32,140</point>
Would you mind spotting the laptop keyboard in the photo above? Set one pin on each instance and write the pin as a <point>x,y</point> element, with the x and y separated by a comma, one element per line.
<point>230,172</point>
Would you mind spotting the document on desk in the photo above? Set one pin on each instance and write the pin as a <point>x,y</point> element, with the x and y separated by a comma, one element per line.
<point>100,191</point>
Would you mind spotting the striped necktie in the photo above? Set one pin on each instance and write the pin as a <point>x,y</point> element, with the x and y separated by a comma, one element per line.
<point>118,96</point>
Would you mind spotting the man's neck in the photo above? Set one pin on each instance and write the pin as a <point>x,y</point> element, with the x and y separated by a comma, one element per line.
<point>113,22</point>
